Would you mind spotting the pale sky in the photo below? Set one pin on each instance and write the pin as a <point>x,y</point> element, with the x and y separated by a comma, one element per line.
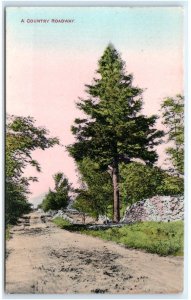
<point>48,64</point>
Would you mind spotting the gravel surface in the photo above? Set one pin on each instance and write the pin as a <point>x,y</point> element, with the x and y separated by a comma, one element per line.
<point>44,259</point>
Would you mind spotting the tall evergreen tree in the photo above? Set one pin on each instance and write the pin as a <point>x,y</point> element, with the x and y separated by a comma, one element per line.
<point>114,130</point>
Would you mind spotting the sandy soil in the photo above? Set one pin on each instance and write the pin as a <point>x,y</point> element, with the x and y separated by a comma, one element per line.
<point>43,259</point>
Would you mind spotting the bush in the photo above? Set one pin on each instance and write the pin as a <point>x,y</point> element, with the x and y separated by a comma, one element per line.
<point>59,197</point>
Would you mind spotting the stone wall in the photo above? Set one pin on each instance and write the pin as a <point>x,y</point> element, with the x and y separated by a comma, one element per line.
<point>157,208</point>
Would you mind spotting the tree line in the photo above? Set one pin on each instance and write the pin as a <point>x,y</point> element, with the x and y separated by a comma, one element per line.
<point>22,138</point>
<point>114,149</point>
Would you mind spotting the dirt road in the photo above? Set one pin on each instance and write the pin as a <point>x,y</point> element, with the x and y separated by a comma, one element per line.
<point>43,259</point>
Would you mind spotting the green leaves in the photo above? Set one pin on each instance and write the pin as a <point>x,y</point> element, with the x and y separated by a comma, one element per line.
<point>140,181</point>
<point>95,194</point>
<point>59,197</point>
<point>173,118</point>
<point>114,129</point>
<point>114,125</point>
<point>22,138</point>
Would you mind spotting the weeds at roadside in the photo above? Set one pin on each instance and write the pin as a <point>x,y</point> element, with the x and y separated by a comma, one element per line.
<point>154,237</point>
<point>7,232</point>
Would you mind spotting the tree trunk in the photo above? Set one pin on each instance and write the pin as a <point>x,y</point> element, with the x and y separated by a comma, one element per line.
<point>116,200</point>
<point>83,218</point>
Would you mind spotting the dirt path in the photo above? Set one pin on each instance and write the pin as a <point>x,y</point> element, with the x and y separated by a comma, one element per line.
<point>43,259</point>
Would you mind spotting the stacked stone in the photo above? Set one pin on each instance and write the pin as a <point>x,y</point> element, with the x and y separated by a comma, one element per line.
<point>177,209</point>
<point>135,213</point>
<point>157,208</point>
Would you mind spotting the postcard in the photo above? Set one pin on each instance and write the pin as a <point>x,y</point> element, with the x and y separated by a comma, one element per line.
<point>94,198</point>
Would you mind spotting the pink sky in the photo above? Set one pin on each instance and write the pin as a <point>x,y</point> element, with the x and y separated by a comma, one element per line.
<point>46,82</point>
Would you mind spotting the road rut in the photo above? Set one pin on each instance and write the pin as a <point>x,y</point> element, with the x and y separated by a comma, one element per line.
<point>44,259</point>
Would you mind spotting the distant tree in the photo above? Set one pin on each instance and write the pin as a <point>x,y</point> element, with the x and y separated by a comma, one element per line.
<point>114,129</point>
<point>83,204</point>
<point>96,189</point>
<point>59,197</point>
<point>22,138</point>
<point>173,119</point>
<point>39,206</point>
<point>140,182</point>
<point>49,201</point>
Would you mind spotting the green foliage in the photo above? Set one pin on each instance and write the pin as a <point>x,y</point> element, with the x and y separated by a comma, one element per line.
<point>160,238</point>
<point>59,197</point>
<point>49,202</point>
<point>22,137</point>
<point>96,193</point>
<point>173,118</point>
<point>154,237</point>
<point>15,202</point>
<point>114,129</point>
<point>171,185</point>
<point>7,232</point>
<point>64,224</point>
<point>60,222</point>
<point>140,181</point>
<point>83,203</point>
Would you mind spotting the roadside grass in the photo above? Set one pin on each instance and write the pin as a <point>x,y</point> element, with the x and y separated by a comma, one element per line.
<point>7,232</point>
<point>154,237</point>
